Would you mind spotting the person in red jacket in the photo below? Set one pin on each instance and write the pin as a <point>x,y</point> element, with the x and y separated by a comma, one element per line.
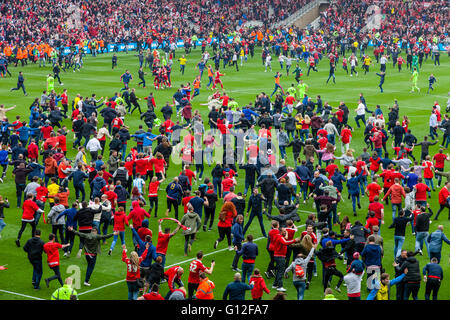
<point>371,221</point>
<point>133,274</point>
<point>120,220</point>
<point>33,150</point>
<point>279,253</point>
<point>443,203</point>
<point>137,215</point>
<point>270,247</point>
<point>51,248</point>
<point>173,275</point>
<point>30,208</point>
<point>259,285</point>
<point>153,295</point>
<point>226,216</point>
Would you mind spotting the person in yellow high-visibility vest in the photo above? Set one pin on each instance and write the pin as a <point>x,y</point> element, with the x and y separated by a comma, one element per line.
<point>66,292</point>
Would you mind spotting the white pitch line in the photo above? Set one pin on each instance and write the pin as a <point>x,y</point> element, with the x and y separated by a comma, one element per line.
<point>178,263</point>
<point>22,295</point>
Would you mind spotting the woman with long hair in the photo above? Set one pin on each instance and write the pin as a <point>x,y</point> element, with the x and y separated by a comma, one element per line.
<point>136,195</point>
<point>133,274</point>
<point>307,244</point>
<point>226,215</point>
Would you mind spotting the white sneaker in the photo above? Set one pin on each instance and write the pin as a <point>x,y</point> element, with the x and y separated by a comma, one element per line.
<point>273,287</point>
<point>315,274</point>
<point>61,84</point>
<point>230,249</point>
<point>87,284</point>
<point>281,289</point>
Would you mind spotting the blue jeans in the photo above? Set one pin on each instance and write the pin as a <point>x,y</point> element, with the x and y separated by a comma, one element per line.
<point>283,151</point>
<point>398,244</point>
<point>260,218</point>
<point>90,266</point>
<point>37,273</point>
<point>2,224</point>
<point>124,150</point>
<point>248,185</point>
<point>429,183</point>
<point>360,117</point>
<point>247,269</point>
<point>304,134</point>
<point>217,183</point>
<point>420,239</point>
<point>122,239</point>
<point>163,256</point>
<point>133,290</point>
<point>354,198</point>
<point>379,151</point>
<point>300,286</point>
<point>330,138</point>
<point>395,208</point>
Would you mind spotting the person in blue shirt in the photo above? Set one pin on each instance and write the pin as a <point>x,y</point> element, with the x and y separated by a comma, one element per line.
<point>332,237</point>
<point>382,284</point>
<point>431,81</point>
<point>20,83</point>
<point>197,203</point>
<point>236,290</point>
<point>4,160</point>
<point>353,190</point>
<point>238,237</point>
<point>432,275</point>
<point>201,67</point>
<point>70,222</point>
<point>386,161</point>
<point>78,177</point>
<point>381,75</point>
<point>126,78</point>
<point>248,113</point>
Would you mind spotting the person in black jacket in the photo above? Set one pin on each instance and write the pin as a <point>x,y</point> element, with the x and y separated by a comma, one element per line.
<point>296,145</point>
<point>255,205</point>
<point>413,277</point>
<point>250,171</point>
<point>85,218</point>
<point>34,248</point>
<point>134,101</point>
<point>240,203</point>
<point>400,224</point>
<point>108,115</point>
<point>422,227</point>
<point>210,209</point>
<point>217,174</point>
<point>268,186</point>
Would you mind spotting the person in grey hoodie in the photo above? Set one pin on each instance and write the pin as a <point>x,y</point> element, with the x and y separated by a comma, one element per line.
<point>300,281</point>
<point>353,282</point>
<point>192,221</point>
<point>57,224</point>
<point>435,240</point>
<point>283,141</point>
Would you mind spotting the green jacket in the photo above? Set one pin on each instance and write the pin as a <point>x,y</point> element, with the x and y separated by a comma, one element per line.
<point>192,221</point>
<point>92,242</point>
<point>63,293</point>
<point>329,297</point>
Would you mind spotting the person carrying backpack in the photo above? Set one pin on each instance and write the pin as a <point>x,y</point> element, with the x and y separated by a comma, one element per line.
<point>298,268</point>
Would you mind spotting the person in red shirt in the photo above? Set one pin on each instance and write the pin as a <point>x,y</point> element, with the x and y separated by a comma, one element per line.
<point>120,220</point>
<point>439,163</point>
<point>153,195</point>
<point>271,245</point>
<point>346,136</point>
<point>259,285</point>
<point>133,274</point>
<point>153,295</point>
<point>195,268</point>
<point>190,174</point>
<point>331,169</point>
<point>279,253</point>
<point>443,200</point>
<point>421,192</point>
<point>373,189</point>
<point>375,162</point>
<point>51,248</point>
<point>65,102</point>
<point>159,164</point>
<point>377,208</point>
<point>46,130</point>
<point>173,275</point>
<point>227,214</point>
<point>62,142</point>
<point>227,183</point>
<point>428,173</point>
<point>30,208</point>
<point>163,241</point>
<point>33,150</point>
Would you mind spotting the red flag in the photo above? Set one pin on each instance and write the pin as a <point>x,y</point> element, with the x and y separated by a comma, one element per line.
<point>176,221</point>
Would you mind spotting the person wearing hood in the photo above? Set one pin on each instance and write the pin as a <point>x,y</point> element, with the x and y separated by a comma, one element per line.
<point>298,268</point>
<point>412,278</point>
<point>435,240</point>
<point>56,220</point>
<point>192,221</point>
<point>34,248</point>
<point>371,255</point>
<point>137,215</point>
<point>147,261</point>
<point>259,285</point>
<point>120,220</point>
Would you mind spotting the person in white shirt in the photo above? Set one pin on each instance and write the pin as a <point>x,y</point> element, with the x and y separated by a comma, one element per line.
<point>268,62</point>
<point>93,146</point>
<point>102,132</point>
<point>353,62</point>
<point>360,114</point>
<point>383,61</point>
